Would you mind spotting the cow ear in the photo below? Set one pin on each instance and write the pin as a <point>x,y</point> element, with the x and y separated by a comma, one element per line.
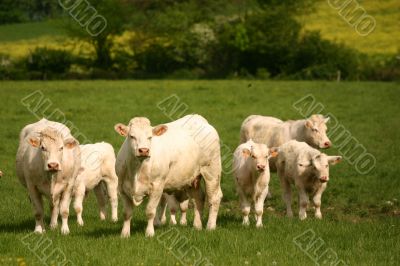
<point>34,142</point>
<point>334,159</point>
<point>70,143</point>
<point>273,152</point>
<point>246,153</point>
<point>309,124</point>
<point>121,129</point>
<point>326,119</point>
<point>159,130</point>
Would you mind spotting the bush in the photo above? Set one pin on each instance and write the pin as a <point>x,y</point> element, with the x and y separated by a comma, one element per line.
<point>316,58</point>
<point>45,63</point>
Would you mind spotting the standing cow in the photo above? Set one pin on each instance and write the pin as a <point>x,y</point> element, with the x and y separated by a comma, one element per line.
<point>48,161</point>
<point>251,175</point>
<point>98,165</point>
<point>166,158</point>
<point>1,174</point>
<point>274,132</point>
<point>308,169</point>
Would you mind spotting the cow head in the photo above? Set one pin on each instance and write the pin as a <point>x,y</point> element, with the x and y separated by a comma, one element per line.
<point>315,132</point>
<point>52,145</point>
<point>319,165</point>
<point>259,153</point>
<point>139,133</point>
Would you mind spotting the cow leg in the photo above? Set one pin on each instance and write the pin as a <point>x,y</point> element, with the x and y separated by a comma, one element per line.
<point>161,217</point>
<point>303,201</point>
<point>112,189</point>
<point>56,198</point>
<point>197,195</point>
<point>317,201</point>
<point>173,206</point>
<point>212,176</point>
<point>245,205</point>
<point>101,200</point>
<point>151,208</point>
<point>79,193</point>
<point>184,206</point>
<point>64,208</point>
<point>259,206</point>
<point>37,203</point>
<point>287,196</point>
<point>128,210</point>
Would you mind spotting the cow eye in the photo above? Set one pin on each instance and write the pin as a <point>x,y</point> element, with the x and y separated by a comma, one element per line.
<point>252,156</point>
<point>326,166</point>
<point>315,130</point>
<point>61,148</point>
<point>44,148</point>
<point>133,137</point>
<point>149,138</point>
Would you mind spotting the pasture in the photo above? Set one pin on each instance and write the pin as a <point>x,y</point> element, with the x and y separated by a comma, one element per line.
<point>361,223</point>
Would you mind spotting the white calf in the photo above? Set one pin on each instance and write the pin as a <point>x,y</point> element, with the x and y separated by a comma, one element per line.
<point>308,169</point>
<point>251,174</point>
<point>98,164</point>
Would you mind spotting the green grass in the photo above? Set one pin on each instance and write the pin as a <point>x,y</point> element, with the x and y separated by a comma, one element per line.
<point>31,30</point>
<point>383,40</point>
<point>358,224</point>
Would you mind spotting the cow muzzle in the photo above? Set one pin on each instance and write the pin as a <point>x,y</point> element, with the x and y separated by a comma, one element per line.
<point>143,152</point>
<point>261,167</point>
<point>324,179</point>
<point>53,167</point>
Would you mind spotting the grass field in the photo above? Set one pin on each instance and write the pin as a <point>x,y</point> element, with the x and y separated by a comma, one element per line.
<point>332,26</point>
<point>361,222</point>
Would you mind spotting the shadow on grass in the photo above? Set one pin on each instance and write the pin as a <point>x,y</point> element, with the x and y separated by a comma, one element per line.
<point>137,228</point>
<point>18,227</point>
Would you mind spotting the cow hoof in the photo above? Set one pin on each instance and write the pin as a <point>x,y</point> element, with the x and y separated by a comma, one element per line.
<point>39,230</point>
<point>80,223</point>
<point>53,226</point>
<point>259,225</point>
<point>318,216</point>
<point>64,230</point>
<point>125,235</point>
<point>114,219</point>
<point>149,232</point>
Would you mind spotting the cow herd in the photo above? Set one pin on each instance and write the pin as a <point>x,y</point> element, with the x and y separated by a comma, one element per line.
<point>171,164</point>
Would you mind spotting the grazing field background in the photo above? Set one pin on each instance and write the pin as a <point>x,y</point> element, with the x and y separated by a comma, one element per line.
<point>361,212</point>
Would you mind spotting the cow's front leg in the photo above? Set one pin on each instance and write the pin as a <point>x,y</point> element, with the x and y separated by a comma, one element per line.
<point>317,201</point>
<point>37,203</point>
<point>56,197</point>
<point>128,209</point>
<point>303,201</point>
<point>151,208</point>
<point>64,208</point>
<point>259,206</point>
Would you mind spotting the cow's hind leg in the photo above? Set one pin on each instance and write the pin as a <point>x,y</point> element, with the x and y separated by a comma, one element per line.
<point>212,178</point>
<point>101,200</point>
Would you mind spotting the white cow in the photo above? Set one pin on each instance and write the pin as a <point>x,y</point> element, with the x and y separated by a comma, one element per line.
<point>251,175</point>
<point>308,169</point>
<point>1,174</point>
<point>48,161</point>
<point>98,164</point>
<point>166,158</point>
<point>274,132</point>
